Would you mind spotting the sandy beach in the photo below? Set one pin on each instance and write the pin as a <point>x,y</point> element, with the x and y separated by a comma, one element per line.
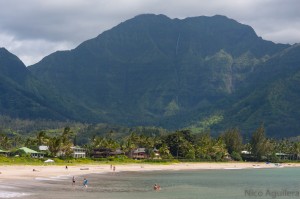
<point>52,171</point>
<point>130,181</point>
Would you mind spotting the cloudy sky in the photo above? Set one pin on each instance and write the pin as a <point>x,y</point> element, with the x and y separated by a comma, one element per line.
<point>32,29</point>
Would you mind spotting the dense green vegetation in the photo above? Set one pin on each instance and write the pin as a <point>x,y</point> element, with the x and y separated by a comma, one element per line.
<point>23,96</point>
<point>200,73</point>
<point>181,145</point>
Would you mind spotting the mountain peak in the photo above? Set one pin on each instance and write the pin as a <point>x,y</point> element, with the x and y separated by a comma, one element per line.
<point>149,16</point>
<point>3,51</point>
<point>7,59</point>
<point>152,69</point>
<point>145,19</point>
<point>11,66</point>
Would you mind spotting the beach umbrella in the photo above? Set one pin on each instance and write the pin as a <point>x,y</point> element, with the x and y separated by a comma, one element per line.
<point>49,160</point>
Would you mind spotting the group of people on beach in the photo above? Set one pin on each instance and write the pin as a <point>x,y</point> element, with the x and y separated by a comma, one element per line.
<point>85,182</point>
<point>113,168</point>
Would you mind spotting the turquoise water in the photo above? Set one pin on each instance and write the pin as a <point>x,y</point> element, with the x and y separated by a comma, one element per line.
<point>199,184</point>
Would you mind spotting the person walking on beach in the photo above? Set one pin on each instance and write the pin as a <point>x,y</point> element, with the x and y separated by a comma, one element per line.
<point>73,181</point>
<point>114,168</point>
<point>85,183</point>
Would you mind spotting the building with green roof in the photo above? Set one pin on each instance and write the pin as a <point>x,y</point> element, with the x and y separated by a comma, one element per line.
<point>33,153</point>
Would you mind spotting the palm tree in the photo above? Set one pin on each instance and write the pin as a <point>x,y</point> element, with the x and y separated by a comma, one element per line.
<point>296,150</point>
<point>112,144</point>
<point>99,142</point>
<point>54,145</point>
<point>5,142</point>
<point>165,151</point>
<point>203,146</point>
<point>67,135</point>
<point>127,146</point>
<point>233,140</point>
<point>258,143</point>
<point>31,143</point>
<point>67,141</point>
<point>134,138</point>
<point>17,140</point>
<point>219,149</point>
<point>178,141</point>
<point>42,138</point>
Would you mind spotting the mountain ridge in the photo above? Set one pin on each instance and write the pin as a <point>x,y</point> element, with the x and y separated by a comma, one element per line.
<point>153,70</point>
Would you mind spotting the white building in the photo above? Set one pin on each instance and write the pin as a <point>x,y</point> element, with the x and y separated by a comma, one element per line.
<point>78,152</point>
<point>43,148</point>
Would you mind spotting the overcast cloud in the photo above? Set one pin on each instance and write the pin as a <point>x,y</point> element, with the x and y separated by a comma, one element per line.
<point>32,29</point>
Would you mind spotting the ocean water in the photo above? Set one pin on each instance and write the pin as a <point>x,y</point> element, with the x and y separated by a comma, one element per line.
<point>196,184</point>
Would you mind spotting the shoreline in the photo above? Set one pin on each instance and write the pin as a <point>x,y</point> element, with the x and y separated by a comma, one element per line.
<point>26,172</point>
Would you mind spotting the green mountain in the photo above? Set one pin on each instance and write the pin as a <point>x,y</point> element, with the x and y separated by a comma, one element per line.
<point>24,96</point>
<point>271,95</point>
<point>199,72</point>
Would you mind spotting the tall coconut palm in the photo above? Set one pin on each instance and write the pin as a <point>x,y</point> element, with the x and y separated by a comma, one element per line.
<point>67,141</point>
<point>54,144</point>
<point>17,141</point>
<point>296,150</point>
<point>165,151</point>
<point>5,142</point>
<point>42,138</point>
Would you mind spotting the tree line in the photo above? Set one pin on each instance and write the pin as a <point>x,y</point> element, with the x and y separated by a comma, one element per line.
<point>181,144</point>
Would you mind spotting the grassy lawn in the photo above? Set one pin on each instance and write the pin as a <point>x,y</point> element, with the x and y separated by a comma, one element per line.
<point>79,161</point>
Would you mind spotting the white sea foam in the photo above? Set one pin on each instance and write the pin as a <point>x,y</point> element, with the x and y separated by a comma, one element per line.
<point>6,187</point>
<point>54,178</point>
<point>63,177</point>
<point>48,179</point>
<point>256,167</point>
<point>8,194</point>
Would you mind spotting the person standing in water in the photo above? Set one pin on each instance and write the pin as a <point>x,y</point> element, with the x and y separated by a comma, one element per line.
<point>156,187</point>
<point>85,182</point>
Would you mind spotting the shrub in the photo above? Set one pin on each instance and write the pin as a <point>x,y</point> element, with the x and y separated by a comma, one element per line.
<point>236,156</point>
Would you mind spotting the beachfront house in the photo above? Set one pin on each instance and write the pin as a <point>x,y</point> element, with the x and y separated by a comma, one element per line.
<point>156,154</point>
<point>101,153</point>
<point>78,152</point>
<point>32,153</point>
<point>246,152</point>
<point>74,151</point>
<point>105,152</point>
<point>144,153</point>
<point>139,153</point>
<point>118,152</point>
<point>284,156</point>
<point>246,155</point>
<point>43,148</point>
